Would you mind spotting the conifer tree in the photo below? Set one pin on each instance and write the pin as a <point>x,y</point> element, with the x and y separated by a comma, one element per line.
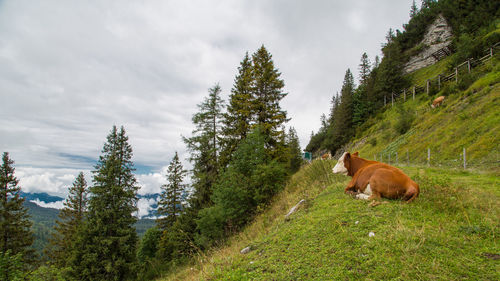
<point>268,92</point>
<point>205,146</point>
<point>16,237</point>
<point>106,246</point>
<point>364,69</point>
<point>239,117</point>
<point>294,152</point>
<point>70,220</point>
<point>413,9</point>
<point>170,204</point>
<point>343,122</point>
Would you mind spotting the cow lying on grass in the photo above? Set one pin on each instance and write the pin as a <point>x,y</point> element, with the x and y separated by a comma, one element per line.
<point>372,180</point>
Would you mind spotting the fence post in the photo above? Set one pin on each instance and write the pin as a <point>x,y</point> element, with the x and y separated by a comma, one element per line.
<point>465,162</point>
<point>428,157</point>
<point>439,82</point>
<point>428,84</point>
<point>456,74</point>
<point>468,65</point>
<point>392,99</point>
<point>404,94</point>
<point>413,92</point>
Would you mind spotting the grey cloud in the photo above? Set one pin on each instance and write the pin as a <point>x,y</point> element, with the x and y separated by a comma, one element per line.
<point>69,70</point>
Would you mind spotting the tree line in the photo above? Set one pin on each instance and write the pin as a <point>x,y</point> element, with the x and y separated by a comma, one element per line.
<point>241,155</point>
<point>356,104</point>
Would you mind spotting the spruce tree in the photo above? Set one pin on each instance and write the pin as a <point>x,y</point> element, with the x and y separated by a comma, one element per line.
<point>343,122</point>
<point>364,69</point>
<point>268,92</point>
<point>170,204</point>
<point>106,246</point>
<point>239,116</point>
<point>294,152</point>
<point>69,222</point>
<point>16,237</point>
<point>205,147</point>
<point>413,9</point>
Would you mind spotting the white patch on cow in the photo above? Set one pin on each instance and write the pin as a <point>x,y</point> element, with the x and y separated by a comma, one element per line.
<point>340,168</point>
<point>366,194</point>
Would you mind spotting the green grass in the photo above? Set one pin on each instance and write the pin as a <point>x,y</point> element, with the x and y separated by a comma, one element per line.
<point>450,232</point>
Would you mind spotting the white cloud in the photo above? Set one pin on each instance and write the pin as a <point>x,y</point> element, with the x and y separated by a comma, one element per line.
<point>56,205</point>
<point>144,206</point>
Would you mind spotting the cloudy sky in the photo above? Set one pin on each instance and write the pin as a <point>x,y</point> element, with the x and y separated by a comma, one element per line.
<point>70,70</point>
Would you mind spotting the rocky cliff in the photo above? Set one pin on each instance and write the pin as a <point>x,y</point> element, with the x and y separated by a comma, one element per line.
<point>434,46</point>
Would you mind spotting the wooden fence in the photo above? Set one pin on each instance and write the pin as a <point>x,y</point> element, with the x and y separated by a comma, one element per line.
<point>442,78</point>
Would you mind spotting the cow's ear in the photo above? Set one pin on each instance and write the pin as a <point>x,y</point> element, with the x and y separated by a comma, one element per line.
<point>347,156</point>
<point>356,153</point>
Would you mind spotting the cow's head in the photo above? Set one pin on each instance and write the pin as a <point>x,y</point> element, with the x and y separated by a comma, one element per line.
<point>341,168</point>
<point>344,163</point>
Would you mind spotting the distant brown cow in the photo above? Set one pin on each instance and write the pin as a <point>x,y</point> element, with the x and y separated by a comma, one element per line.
<point>373,180</point>
<point>326,156</point>
<point>437,102</point>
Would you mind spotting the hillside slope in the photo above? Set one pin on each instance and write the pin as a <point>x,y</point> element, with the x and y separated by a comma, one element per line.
<point>469,118</point>
<point>450,232</point>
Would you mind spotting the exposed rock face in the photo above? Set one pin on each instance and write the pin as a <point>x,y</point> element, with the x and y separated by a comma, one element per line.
<point>435,42</point>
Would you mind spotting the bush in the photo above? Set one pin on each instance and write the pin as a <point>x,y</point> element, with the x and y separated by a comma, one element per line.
<point>405,118</point>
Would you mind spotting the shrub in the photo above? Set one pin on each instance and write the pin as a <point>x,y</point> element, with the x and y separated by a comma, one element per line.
<point>405,118</point>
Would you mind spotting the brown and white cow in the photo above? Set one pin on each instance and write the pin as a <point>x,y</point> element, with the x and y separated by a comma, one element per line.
<point>325,156</point>
<point>373,180</point>
<point>437,102</point>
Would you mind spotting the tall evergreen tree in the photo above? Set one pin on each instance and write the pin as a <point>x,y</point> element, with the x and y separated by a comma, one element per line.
<point>15,234</point>
<point>70,220</point>
<point>268,92</point>
<point>413,9</point>
<point>170,204</point>
<point>343,122</point>
<point>106,246</point>
<point>205,146</point>
<point>239,117</point>
<point>364,69</point>
<point>294,152</point>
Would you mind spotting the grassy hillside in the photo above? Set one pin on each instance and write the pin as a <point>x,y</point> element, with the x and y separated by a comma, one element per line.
<point>470,118</point>
<point>450,232</point>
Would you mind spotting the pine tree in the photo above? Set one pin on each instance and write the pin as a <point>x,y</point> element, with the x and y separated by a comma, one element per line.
<point>343,122</point>
<point>106,246</point>
<point>239,117</point>
<point>413,9</point>
<point>364,69</point>
<point>170,204</point>
<point>294,152</point>
<point>268,92</point>
<point>205,145</point>
<point>69,222</point>
<point>15,234</point>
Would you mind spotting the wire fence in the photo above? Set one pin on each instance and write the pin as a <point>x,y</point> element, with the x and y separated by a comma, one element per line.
<point>434,159</point>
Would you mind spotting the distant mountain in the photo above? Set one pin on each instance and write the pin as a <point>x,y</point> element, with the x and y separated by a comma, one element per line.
<point>44,220</point>
<point>147,203</point>
<point>44,197</point>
